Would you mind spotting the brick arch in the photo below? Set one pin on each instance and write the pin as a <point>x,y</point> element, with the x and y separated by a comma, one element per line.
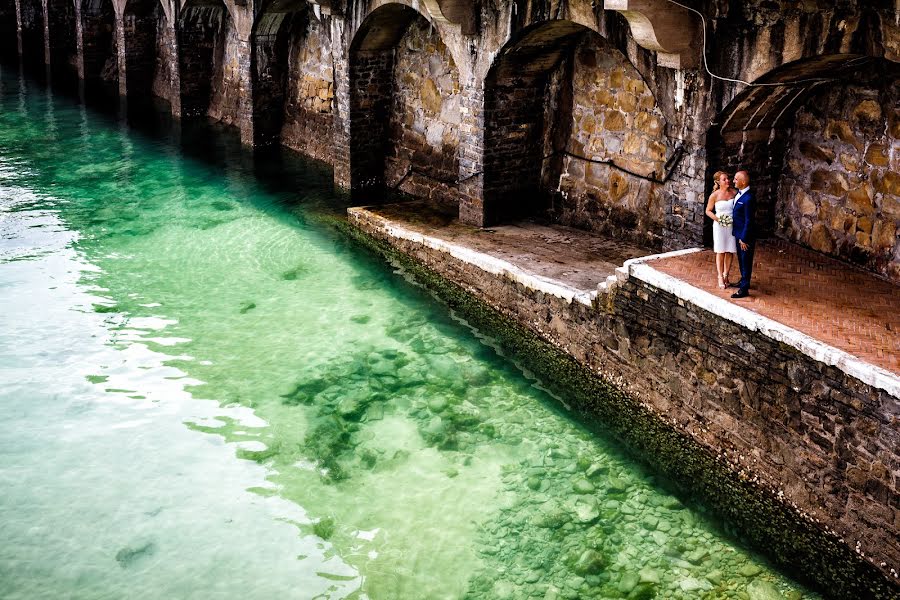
<point>757,130</point>
<point>404,107</point>
<point>201,32</point>
<point>279,27</point>
<point>61,25</point>
<point>558,93</point>
<point>142,21</point>
<point>98,40</point>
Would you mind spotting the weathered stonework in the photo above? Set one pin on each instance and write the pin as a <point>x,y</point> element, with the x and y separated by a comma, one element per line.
<point>201,47</point>
<point>98,40</point>
<point>308,111</point>
<point>424,118</point>
<point>615,118</point>
<point>840,192</point>
<point>804,433</point>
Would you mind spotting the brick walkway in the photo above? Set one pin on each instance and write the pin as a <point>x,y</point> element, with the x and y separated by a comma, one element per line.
<point>825,299</point>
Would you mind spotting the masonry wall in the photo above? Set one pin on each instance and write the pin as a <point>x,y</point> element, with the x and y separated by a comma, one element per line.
<point>308,112</point>
<point>371,87</point>
<point>141,48</point>
<point>61,26</point>
<point>8,29</point>
<point>201,32</point>
<point>425,116</point>
<point>230,79</point>
<point>614,118</point>
<point>840,192</point>
<point>32,16</point>
<point>98,40</point>
<point>825,440</point>
<point>166,83</point>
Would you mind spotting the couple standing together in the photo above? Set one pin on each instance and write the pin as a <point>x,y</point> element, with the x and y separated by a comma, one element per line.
<point>731,209</point>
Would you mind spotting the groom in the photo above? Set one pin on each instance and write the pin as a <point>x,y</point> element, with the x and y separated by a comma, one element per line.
<point>744,207</point>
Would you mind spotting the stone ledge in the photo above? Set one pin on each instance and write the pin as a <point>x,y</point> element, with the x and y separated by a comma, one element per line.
<point>819,351</point>
<point>489,264</point>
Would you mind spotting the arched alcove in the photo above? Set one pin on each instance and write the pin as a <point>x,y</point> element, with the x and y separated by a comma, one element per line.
<point>61,25</point>
<point>278,35</point>
<point>404,107</point>
<point>142,21</point>
<point>202,28</point>
<point>32,15</point>
<point>823,151</point>
<point>98,40</point>
<point>573,134</point>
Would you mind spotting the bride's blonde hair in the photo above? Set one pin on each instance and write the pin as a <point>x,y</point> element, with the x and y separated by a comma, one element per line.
<point>716,176</point>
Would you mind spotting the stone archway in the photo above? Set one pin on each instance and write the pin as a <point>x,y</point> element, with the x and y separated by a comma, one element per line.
<point>572,133</point>
<point>404,107</point>
<point>823,149</point>
<point>32,23</point>
<point>61,27</point>
<point>201,41</point>
<point>280,26</point>
<point>142,21</point>
<point>98,41</point>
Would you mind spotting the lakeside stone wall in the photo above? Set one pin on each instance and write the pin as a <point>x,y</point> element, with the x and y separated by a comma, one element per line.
<point>803,432</point>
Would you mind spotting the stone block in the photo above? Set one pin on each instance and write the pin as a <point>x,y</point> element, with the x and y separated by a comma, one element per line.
<point>648,123</point>
<point>430,97</point>
<point>828,182</point>
<point>877,155</point>
<point>816,152</point>
<point>615,121</point>
<point>841,130</point>
<point>860,200</point>
<point>806,205</point>
<point>632,143</point>
<point>616,78</point>
<point>820,239</point>
<point>887,182</point>
<point>627,102</point>
<point>867,110</point>
<point>850,161</point>
<point>884,235</point>
<point>864,225</point>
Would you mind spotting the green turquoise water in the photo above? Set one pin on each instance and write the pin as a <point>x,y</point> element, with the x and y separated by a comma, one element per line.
<point>208,394</point>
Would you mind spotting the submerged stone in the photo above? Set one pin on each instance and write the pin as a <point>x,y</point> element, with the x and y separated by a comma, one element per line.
<point>590,562</point>
<point>763,590</point>
<point>583,486</point>
<point>129,555</point>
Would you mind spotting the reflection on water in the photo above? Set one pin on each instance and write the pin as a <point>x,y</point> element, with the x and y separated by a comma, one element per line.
<point>209,393</point>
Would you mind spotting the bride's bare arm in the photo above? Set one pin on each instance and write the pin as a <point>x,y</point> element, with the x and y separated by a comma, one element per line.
<point>710,204</point>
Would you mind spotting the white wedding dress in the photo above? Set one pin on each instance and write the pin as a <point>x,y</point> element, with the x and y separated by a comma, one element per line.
<point>723,237</point>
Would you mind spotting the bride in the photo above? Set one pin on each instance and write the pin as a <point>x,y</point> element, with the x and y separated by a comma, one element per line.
<point>719,208</point>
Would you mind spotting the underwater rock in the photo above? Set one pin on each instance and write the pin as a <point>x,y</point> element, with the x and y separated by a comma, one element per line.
<point>247,307</point>
<point>649,575</point>
<point>763,590</point>
<point>129,555</point>
<point>586,511</point>
<point>628,582</point>
<point>692,584</point>
<point>750,570</point>
<point>437,404</point>
<point>614,485</point>
<point>324,528</point>
<point>583,486</point>
<point>643,591</point>
<point>590,562</point>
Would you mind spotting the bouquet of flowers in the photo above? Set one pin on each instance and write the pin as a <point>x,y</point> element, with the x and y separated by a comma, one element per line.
<point>726,221</point>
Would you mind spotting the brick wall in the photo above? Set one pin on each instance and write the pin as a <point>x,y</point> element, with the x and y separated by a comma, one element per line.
<point>371,84</point>
<point>201,42</point>
<point>840,192</point>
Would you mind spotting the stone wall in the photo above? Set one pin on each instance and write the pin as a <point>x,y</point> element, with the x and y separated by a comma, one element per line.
<point>840,192</point>
<point>166,82</point>
<point>98,40</point>
<point>201,41</point>
<point>614,118</point>
<point>308,111</point>
<point>270,67</point>
<point>140,26</point>
<point>231,80</point>
<point>32,19</point>
<point>424,117</point>
<point>805,433</point>
<point>61,27</point>
<point>371,86</point>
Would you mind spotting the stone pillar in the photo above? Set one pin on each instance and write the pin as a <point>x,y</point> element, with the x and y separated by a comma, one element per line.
<point>245,98</point>
<point>471,156</point>
<point>19,28</point>
<point>120,50</point>
<point>169,46</point>
<point>79,41</point>
<point>46,11</point>
<point>341,138</point>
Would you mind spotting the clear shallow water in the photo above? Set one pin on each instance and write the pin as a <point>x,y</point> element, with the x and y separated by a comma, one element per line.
<point>206,394</point>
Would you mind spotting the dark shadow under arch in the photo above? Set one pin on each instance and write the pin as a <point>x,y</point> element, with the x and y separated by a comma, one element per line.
<point>142,21</point>
<point>201,42</point>
<point>98,41</point>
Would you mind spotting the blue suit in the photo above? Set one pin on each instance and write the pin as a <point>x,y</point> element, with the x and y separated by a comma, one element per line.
<point>744,231</point>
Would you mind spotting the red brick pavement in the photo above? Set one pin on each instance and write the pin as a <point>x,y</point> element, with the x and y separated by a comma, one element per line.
<point>825,299</point>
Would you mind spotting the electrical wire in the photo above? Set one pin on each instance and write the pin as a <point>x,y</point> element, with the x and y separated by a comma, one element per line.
<point>747,83</point>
